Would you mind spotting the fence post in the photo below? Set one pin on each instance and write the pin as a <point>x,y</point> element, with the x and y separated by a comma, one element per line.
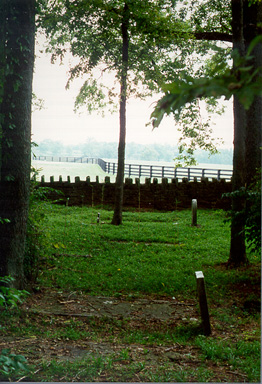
<point>188,174</point>
<point>201,291</point>
<point>140,171</point>
<point>151,171</point>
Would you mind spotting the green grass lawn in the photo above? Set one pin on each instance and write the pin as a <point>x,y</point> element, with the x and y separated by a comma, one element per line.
<point>152,255</point>
<point>56,169</point>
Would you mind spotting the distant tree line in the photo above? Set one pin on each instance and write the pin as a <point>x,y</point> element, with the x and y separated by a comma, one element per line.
<point>134,151</point>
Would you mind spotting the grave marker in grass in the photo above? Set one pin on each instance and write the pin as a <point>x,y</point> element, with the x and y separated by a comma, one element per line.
<point>201,291</point>
<point>194,212</point>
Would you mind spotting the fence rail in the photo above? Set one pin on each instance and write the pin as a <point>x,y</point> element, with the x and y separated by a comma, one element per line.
<point>148,171</point>
<point>68,159</point>
<point>156,171</point>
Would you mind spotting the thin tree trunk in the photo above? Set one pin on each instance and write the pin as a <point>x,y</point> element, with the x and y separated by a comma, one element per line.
<point>237,246</point>
<point>17,52</point>
<point>119,191</point>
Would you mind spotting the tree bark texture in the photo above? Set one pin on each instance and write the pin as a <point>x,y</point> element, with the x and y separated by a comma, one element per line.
<point>17,62</point>
<point>119,192</point>
<point>237,246</point>
<point>252,28</point>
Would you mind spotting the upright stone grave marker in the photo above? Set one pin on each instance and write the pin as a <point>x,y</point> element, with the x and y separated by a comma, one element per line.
<point>203,302</point>
<point>194,212</point>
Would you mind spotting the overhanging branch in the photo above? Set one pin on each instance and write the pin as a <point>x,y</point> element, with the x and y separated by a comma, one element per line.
<point>216,36</point>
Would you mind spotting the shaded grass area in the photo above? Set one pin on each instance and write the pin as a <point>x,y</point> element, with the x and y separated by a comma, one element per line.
<point>151,256</point>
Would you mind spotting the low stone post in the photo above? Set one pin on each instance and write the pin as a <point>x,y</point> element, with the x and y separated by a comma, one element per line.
<point>201,291</point>
<point>194,212</point>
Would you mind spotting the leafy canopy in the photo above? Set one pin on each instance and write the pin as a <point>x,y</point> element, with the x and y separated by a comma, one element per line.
<point>239,80</point>
<point>166,43</point>
<point>91,32</point>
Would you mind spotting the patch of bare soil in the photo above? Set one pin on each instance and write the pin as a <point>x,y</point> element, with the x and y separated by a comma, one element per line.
<point>73,304</point>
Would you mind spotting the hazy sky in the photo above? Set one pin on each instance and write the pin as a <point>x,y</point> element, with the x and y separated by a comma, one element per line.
<point>59,122</point>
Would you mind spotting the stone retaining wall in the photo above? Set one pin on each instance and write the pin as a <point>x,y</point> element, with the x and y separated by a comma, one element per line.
<point>153,194</point>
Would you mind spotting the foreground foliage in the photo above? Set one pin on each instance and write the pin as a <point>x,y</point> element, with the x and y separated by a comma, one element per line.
<point>10,363</point>
<point>10,296</point>
<point>67,332</point>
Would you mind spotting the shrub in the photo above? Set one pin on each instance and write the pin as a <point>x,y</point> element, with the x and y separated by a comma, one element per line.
<point>9,297</point>
<point>36,237</point>
<point>251,214</point>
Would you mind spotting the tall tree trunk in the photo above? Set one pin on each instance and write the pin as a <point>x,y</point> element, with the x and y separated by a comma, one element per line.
<point>119,191</point>
<point>237,247</point>
<point>252,28</point>
<point>17,61</point>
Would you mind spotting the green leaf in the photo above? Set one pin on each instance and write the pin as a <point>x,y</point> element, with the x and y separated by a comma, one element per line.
<point>257,40</point>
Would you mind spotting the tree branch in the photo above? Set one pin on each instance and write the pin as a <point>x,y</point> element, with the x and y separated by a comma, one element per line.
<point>216,36</point>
